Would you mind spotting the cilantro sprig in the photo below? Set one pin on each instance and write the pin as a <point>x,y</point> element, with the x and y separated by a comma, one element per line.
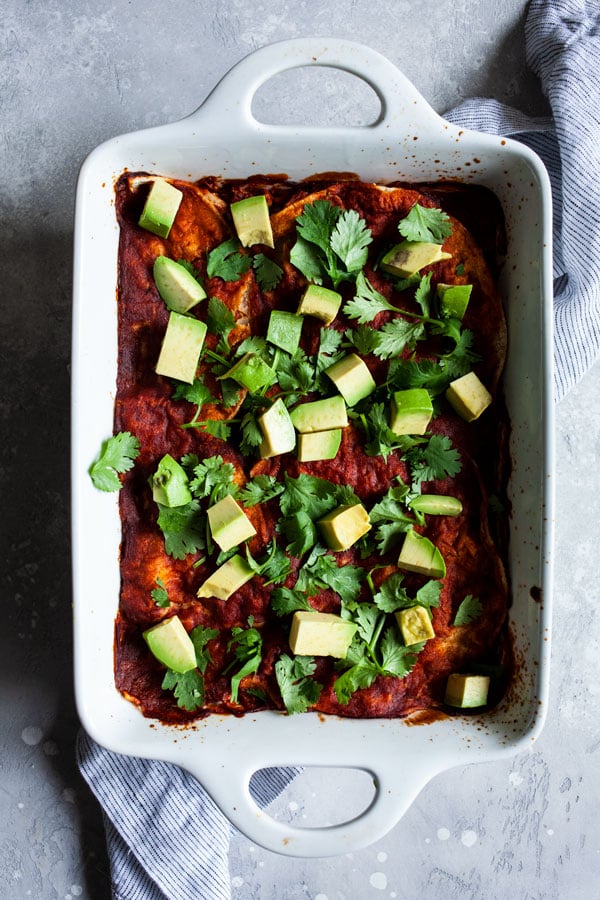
<point>188,688</point>
<point>332,243</point>
<point>226,261</point>
<point>469,610</point>
<point>423,223</point>
<point>298,689</point>
<point>116,457</point>
<point>247,645</point>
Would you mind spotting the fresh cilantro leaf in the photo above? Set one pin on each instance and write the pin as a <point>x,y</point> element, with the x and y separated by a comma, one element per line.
<point>274,568</point>
<point>252,435</point>
<point>298,690</point>
<point>219,428</point>
<point>260,489</point>
<point>425,224</point>
<point>463,356</point>
<point>469,610</point>
<point>182,528</point>
<point>323,572</point>
<point>300,532</point>
<point>197,393</point>
<point>391,595</point>
<point>425,373</point>
<point>361,675</point>
<point>330,243</point>
<point>160,594</point>
<point>213,478</point>
<point>307,493</point>
<point>268,273</point>
<point>116,457</point>
<point>188,688</point>
<point>460,269</point>
<point>380,439</point>
<point>367,302</point>
<point>220,321</point>
<point>227,262</point>
<point>396,336</point>
<point>429,594</point>
<point>424,294</point>
<point>287,600</point>
<point>200,637</point>
<point>350,239</point>
<point>191,268</point>
<point>369,621</point>
<point>434,460</point>
<point>306,257</point>
<point>363,339</point>
<point>295,375</point>
<point>254,344</point>
<point>397,659</point>
<point>248,653</point>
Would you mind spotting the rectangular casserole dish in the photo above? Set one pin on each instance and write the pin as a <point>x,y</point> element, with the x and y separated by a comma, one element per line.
<point>408,142</point>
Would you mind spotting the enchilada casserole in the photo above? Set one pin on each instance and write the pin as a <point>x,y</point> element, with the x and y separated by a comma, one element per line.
<point>309,396</point>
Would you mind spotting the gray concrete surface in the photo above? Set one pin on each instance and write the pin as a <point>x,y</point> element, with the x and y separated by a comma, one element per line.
<point>71,75</point>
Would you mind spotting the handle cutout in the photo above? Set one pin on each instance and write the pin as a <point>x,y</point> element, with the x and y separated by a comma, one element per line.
<point>321,797</point>
<point>321,96</point>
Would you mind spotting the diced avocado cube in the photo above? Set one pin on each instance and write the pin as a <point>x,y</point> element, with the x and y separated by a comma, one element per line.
<point>160,208</point>
<point>320,415</point>
<point>411,411</point>
<point>320,634</point>
<point>181,347</point>
<point>252,222</point>
<point>410,257</point>
<point>344,526</point>
<point>284,330</point>
<point>317,445</point>
<point>170,643</point>
<point>320,302</point>
<point>415,625</point>
<point>227,579</point>
<point>419,555</point>
<point>170,485</point>
<point>454,299</point>
<point>229,524</point>
<point>251,372</point>
<point>177,287</point>
<point>468,397</point>
<point>352,378</point>
<point>279,435</point>
<point>467,691</point>
<point>436,505</point>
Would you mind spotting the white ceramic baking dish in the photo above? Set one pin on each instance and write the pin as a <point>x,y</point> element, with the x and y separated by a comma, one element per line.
<point>409,141</point>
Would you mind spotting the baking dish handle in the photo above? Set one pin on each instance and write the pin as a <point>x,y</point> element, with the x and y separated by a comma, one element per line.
<point>231,100</point>
<point>395,790</point>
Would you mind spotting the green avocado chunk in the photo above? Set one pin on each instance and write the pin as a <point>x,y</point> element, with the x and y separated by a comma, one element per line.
<point>170,643</point>
<point>468,396</point>
<point>315,445</point>
<point>352,378</point>
<point>160,208</point>
<point>410,257</point>
<point>284,330</point>
<point>344,526</point>
<point>411,411</point>
<point>177,287</point>
<point>251,372</point>
<point>320,415</point>
<point>415,625</point>
<point>252,222</point>
<point>436,505</point>
<point>320,302</point>
<point>181,346</point>
<point>170,483</point>
<point>316,633</point>
<point>454,299</point>
<point>229,524</point>
<point>227,579</point>
<point>419,555</point>
<point>279,435</point>
<point>467,691</point>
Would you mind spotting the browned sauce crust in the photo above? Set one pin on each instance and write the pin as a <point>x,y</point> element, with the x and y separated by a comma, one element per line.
<point>472,547</point>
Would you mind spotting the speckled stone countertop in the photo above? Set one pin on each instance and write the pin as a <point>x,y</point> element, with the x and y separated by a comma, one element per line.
<point>71,75</point>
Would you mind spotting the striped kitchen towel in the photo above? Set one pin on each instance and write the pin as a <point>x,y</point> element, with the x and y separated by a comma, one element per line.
<point>166,838</point>
<point>563,49</point>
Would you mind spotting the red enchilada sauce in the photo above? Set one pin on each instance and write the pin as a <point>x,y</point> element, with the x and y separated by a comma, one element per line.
<point>472,544</point>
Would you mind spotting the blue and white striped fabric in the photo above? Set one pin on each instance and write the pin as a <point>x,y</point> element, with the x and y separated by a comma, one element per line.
<point>166,838</point>
<point>563,49</point>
